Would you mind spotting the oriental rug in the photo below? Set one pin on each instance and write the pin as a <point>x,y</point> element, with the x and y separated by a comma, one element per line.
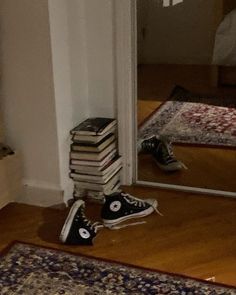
<point>192,123</point>
<point>30,269</point>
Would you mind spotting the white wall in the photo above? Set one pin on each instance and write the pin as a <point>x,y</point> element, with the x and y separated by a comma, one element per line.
<point>58,69</point>
<point>27,89</point>
<point>99,15</point>
<point>78,59</point>
<point>83,67</point>
<point>183,33</point>
<point>70,76</point>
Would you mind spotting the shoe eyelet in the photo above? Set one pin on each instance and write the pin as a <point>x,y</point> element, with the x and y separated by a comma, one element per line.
<point>115,206</point>
<point>84,233</point>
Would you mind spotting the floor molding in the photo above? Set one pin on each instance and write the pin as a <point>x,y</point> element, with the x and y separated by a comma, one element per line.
<point>40,196</point>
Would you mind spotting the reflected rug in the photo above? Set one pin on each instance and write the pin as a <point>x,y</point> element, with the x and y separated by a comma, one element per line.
<point>192,123</point>
<point>29,269</point>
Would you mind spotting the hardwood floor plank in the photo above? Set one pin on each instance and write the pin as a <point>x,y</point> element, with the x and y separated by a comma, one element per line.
<point>196,236</point>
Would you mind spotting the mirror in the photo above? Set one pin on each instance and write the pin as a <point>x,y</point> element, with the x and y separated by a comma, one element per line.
<point>186,108</point>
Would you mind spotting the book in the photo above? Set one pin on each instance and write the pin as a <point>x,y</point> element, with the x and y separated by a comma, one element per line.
<point>98,164</point>
<point>97,147</point>
<point>94,126</point>
<point>98,186</point>
<point>79,138</point>
<point>93,156</point>
<point>95,178</point>
<point>92,170</point>
<point>79,193</point>
<point>95,196</point>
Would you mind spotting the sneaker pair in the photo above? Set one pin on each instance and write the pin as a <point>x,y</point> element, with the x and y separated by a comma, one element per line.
<point>118,207</point>
<point>161,150</point>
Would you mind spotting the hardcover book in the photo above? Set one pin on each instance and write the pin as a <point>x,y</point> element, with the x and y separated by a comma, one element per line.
<point>98,164</point>
<point>92,170</point>
<point>93,156</point>
<point>92,139</point>
<point>102,179</point>
<point>97,147</point>
<point>96,195</point>
<point>94,126</point>
<point>98,186</point>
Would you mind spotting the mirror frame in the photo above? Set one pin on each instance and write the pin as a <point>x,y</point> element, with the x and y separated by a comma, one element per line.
<point>125,28</point>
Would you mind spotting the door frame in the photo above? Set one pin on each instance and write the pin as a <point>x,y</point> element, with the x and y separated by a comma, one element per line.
<point>125,32</point>
<point>126,89</point>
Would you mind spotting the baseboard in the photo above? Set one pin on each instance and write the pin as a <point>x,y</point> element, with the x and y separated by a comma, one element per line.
<point>41,196</point>
<point>5,199</point>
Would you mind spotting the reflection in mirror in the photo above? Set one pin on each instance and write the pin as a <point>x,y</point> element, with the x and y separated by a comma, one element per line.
<point>187,93</point>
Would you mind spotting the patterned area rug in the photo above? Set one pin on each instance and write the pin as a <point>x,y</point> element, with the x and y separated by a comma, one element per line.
<point>192,123</point>
<point>28,269</point>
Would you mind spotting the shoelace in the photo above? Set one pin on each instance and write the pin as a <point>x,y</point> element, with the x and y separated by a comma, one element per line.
<point>93,225</point>
<point>138,202</point>
<point>166,150</point>
<point>133,200</point>
<point>125,225</point>
<point>150,144</point>
<point>168,154</point>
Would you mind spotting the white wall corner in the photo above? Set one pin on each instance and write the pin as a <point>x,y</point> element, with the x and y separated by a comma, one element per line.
<point>27,88</point>
<point>78,59</point>
<point>68,47</point>
<point>99,29</point>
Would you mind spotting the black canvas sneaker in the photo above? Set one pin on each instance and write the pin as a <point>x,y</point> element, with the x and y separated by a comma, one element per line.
<point>165,158</point>
<point>149,145</point>
<point>120,206</point>
<point>77,229</point>
<point>161,150</point>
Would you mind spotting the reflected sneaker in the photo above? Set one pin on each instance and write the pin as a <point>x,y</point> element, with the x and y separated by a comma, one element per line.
<point>77,229</point>
<point>164,156</point>
<point>149,145</point>
<point>120,206</point>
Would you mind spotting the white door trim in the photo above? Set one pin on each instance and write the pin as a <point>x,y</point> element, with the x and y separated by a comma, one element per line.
<point>125,52</point>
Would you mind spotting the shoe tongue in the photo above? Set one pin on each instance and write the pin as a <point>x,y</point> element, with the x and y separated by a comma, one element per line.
<point>126,225</point>
<point>134,201</point>
<point>166,148</point>
<point>107,197</point>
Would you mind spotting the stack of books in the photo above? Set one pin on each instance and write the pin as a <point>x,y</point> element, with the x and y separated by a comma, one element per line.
<point>94,160</point>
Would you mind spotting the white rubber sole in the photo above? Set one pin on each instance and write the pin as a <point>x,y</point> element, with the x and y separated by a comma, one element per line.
<point>148,211</point>
<point>67,225</point>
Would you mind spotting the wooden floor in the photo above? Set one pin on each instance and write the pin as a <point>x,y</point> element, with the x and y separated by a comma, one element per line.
<point>196,236</point>
<point>208,169</point>
<point>212,168</point>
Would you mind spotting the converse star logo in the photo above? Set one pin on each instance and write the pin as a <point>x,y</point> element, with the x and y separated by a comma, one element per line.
<point>115,206</point>
<point>84,233</point>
